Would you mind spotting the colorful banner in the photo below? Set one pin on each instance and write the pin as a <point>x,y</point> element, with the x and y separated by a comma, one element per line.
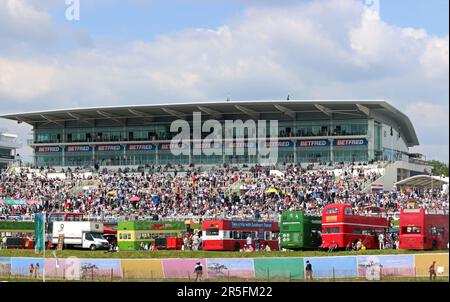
<point>55,268</point>
<point>83,148</point>
<point>313,143</point>
<point>100,268</point>
<point>182,268</point>
<point>283,268</point>
<point>27,267</point>
<point>142,269</point>
<point>5,266</point>
<point>386,265</point>
<point>46,149</point>
<point>230,268</point>
<point>141,147</point>
<point>250,225</point>
<point>39,232</point>
<point>350,142</point>
<point>333,267</point>
<point>108,148</point>
<point>423,262</point>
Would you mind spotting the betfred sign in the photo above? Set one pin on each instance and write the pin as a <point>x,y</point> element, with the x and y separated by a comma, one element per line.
<point>48,149</point>
<point>313,143</point>
<point>280,144</point>
<point>78,148</point>
<point>108,148</point>
<point>166,146</point>
<point>350,142</point>
<point>141,147</point>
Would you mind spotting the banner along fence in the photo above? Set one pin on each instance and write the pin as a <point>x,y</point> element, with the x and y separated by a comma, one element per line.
<point>369,267</point>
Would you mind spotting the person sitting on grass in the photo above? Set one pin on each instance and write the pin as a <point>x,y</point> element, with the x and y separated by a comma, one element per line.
<point>267,248</point>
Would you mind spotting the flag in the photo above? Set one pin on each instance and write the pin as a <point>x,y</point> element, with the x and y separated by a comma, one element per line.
<point>39,232</point>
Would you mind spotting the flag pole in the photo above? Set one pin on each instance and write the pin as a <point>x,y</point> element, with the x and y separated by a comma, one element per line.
<point>43,234</point>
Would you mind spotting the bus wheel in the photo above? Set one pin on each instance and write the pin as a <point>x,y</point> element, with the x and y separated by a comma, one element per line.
<point>237,246</point>
<point>92,247</point>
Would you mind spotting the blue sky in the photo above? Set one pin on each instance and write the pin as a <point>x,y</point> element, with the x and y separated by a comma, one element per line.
<point>145,19</point>
<point>152,51</point>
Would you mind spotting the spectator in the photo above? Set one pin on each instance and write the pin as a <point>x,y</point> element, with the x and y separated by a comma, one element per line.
<point>198,271</point>
<point>432,271</point>
<point>308,271</point>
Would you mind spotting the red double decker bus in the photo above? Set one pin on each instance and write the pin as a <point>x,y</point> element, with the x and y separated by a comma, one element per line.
<point>231,235</point>
<point>423,230</point>
<point>341,226</point>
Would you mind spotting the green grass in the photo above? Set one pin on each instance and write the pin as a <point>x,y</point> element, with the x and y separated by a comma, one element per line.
<point>201,254</point>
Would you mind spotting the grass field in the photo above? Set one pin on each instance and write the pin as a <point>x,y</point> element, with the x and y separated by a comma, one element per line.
<point>201,254</point>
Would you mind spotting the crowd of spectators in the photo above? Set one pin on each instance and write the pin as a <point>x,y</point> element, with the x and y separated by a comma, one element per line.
<point>221,192</point>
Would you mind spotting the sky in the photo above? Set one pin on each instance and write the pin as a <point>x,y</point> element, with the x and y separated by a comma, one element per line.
<point>149,51</point>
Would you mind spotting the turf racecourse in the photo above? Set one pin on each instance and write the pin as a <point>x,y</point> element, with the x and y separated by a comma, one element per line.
<point>201,254</point>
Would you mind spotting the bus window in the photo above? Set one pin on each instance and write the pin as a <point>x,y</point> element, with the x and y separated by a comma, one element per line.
<point>129,236</point>
<point>335,230</point>
<point>212,232</point>
<point>356,231</point>
<point>367,232</point>
<point>245,235</point>
<point>437,231</point>
<point>267,235</point>
<point>237,235</point>
<point>261,236</point>
<point>226,234</point>
<point>332,211</point>
<point>138,236</point>
<point>411,230</point>
<point>327,231</point>
<point>275,235</point>
<point>348,211</point>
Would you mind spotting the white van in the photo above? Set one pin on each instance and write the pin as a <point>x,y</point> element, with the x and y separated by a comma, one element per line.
<point>79,234</point>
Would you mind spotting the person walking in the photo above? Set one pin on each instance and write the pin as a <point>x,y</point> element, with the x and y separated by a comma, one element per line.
<point>198,271</point>
<point>432,271</point>
<point>308,271</point>
<point>36,270</point>
<point>31,269</point>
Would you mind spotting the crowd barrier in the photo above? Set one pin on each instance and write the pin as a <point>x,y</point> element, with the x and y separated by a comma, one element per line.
<point>332,267</point>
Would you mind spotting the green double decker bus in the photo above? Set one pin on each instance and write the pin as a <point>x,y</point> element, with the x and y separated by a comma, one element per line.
<point>299,230</point>
<point>131,234</point>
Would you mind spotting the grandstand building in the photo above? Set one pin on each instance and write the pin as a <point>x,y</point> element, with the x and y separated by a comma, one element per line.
<point>308,131</point>
<point>8,148</point>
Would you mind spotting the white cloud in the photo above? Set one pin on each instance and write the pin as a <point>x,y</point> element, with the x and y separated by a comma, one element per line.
<point>319,49</point>
<point>19,21</point>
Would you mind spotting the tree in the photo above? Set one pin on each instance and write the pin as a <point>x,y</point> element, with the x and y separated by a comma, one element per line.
<point>439,168</point>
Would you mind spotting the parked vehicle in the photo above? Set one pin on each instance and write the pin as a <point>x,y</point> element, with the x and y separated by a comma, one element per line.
<point>79,234</point>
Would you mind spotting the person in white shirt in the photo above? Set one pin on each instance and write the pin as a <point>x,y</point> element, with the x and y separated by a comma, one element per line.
<point>381,241</point>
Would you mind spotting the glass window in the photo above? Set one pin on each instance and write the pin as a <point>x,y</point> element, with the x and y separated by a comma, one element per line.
<point>335,230</point>
<point>439,231</point>
<point>356,231</point>
<point>275,235</point>
<point>412,230</point>
<point>332,211</point>
<point>212,232</point>
<point>129,236</point>
<point>237,235</point>
<point>348,211</point>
